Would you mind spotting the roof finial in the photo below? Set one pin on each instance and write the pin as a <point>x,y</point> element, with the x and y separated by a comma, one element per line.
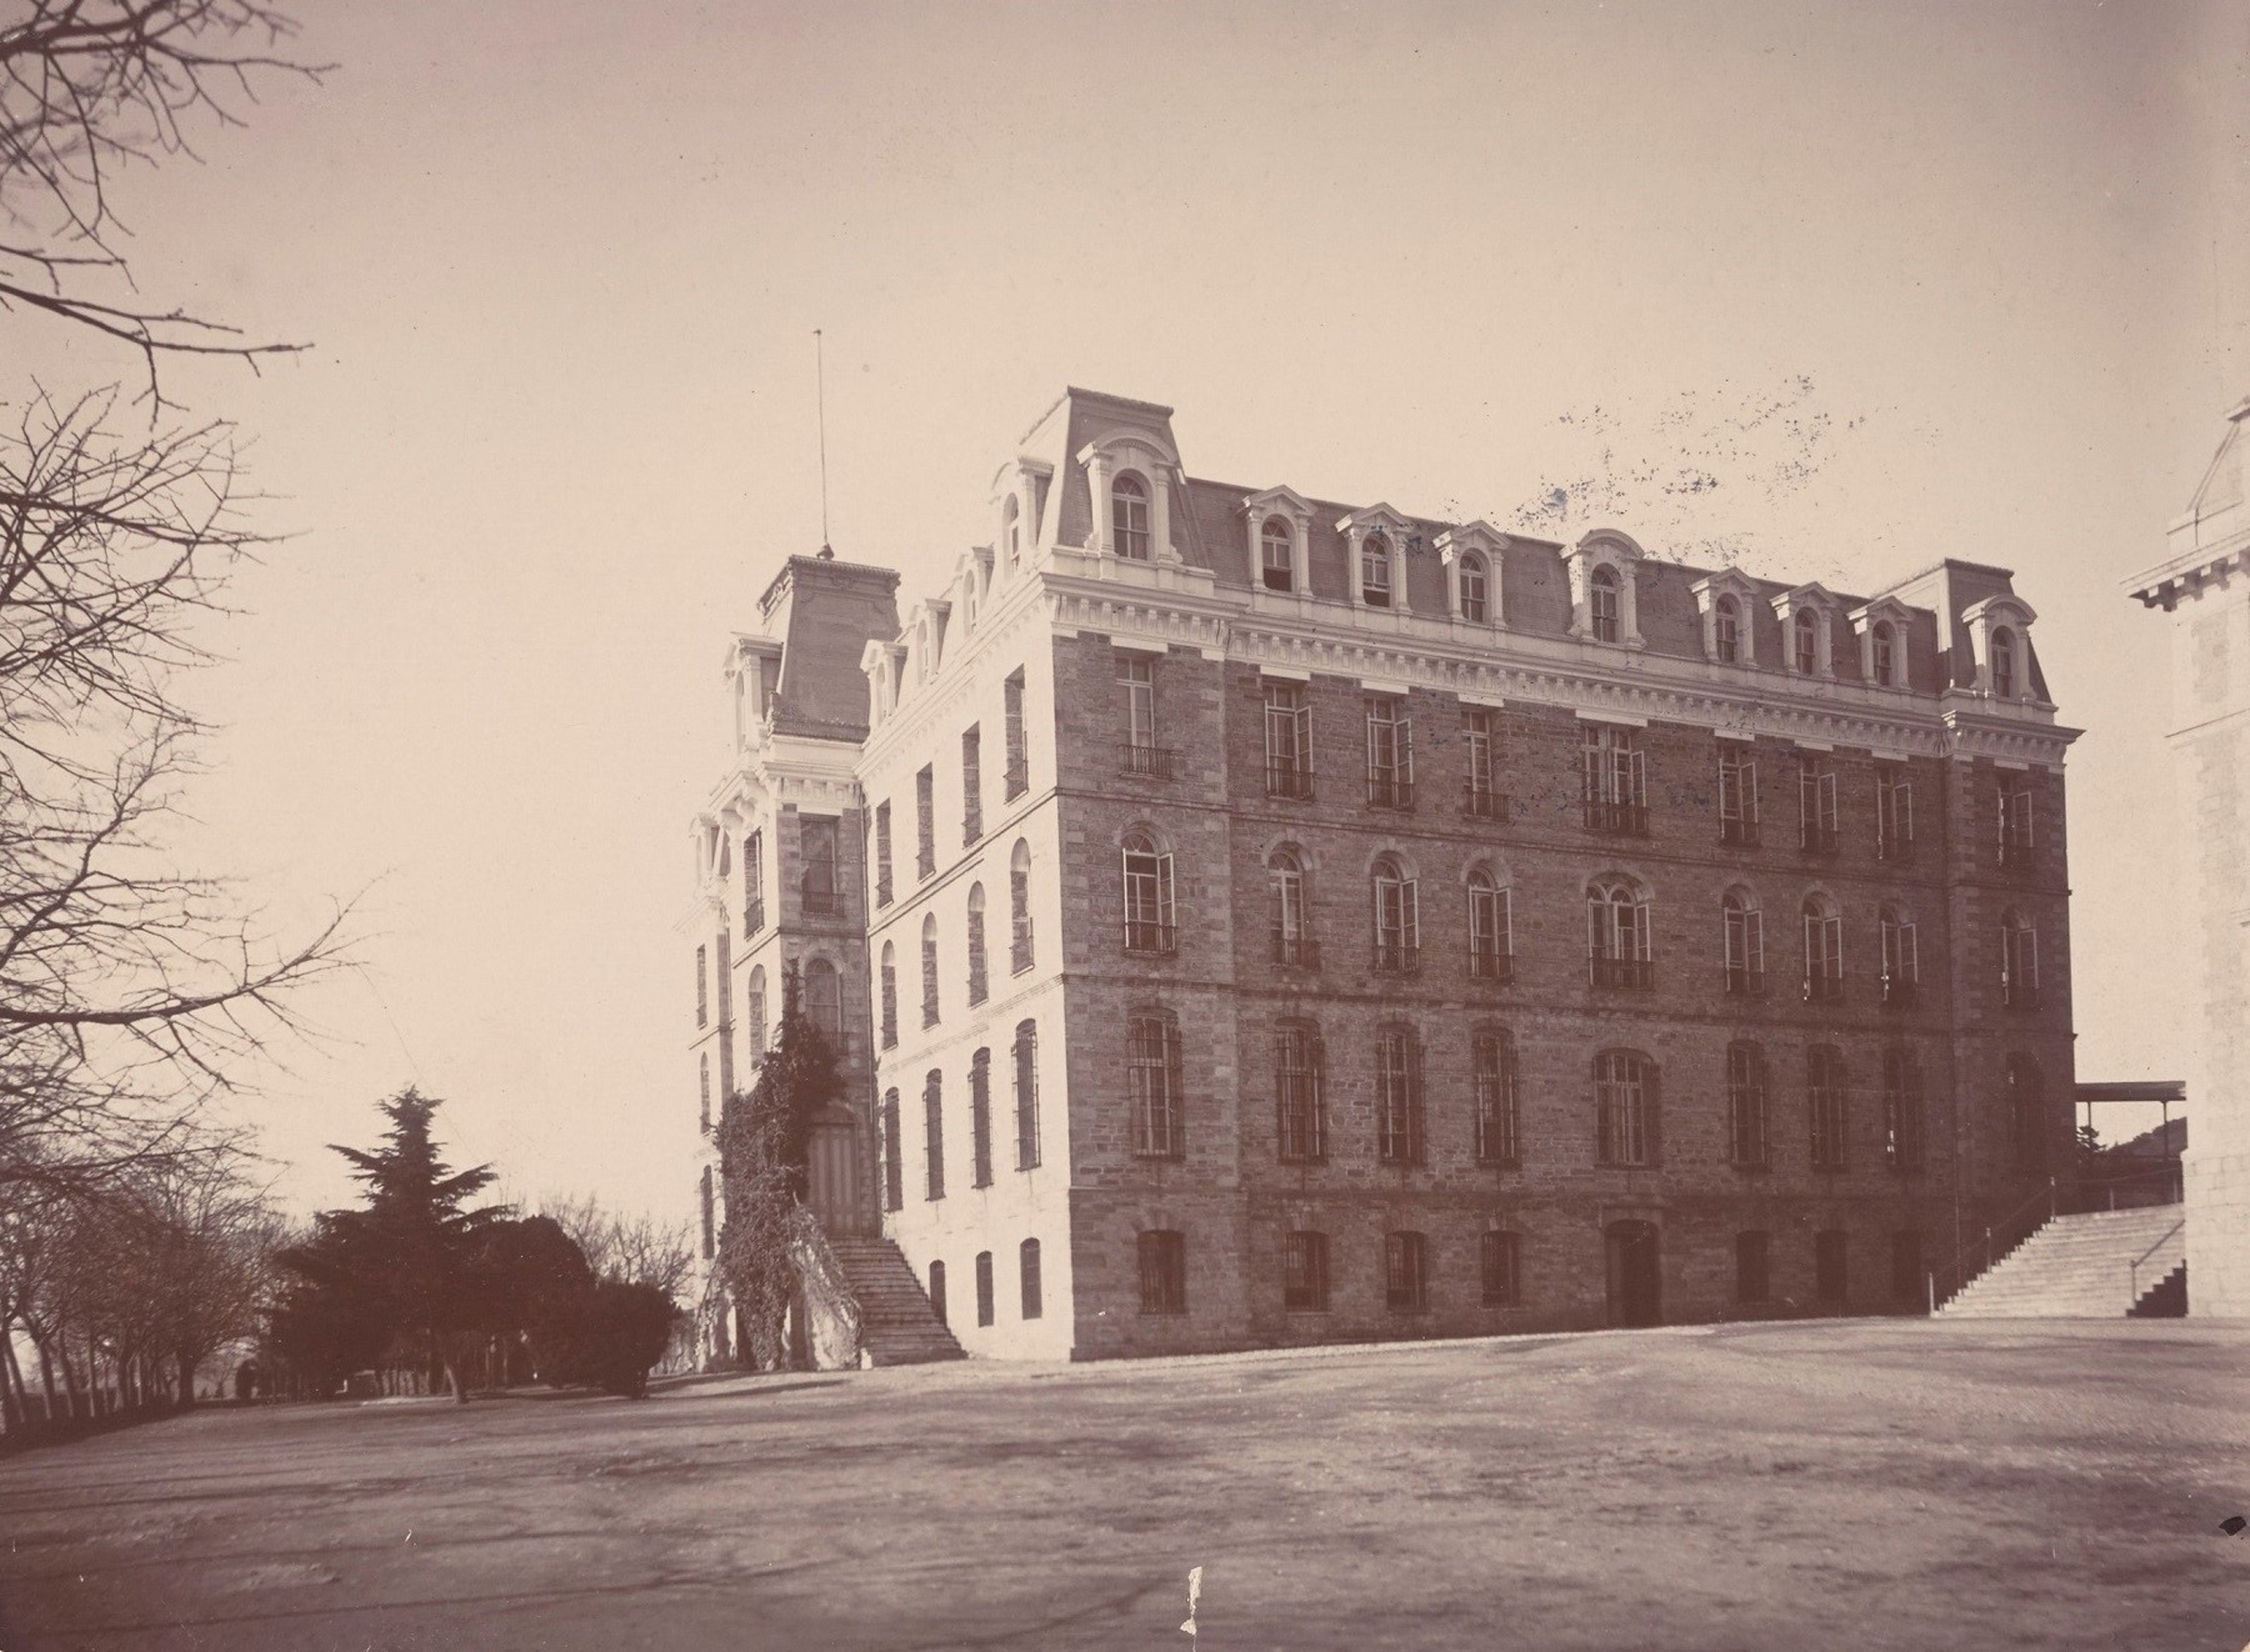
<point>820,402</point>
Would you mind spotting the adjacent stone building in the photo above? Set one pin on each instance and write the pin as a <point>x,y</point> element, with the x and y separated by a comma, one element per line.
<point>2204,586</point>
<point>1282,920</point>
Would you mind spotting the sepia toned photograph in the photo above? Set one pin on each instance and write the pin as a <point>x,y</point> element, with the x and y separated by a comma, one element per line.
<point>1066,824</point>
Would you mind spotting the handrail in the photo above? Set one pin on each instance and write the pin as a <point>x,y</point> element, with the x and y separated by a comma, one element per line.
<point>1960,1275</point>
<point>2133,1268</point>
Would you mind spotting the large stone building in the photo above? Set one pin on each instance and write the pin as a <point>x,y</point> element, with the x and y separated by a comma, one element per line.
<point>1253,919</point>
<point>2204,586</point>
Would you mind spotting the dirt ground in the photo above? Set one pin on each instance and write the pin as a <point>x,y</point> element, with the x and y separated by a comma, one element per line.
<point>1856,1484</point>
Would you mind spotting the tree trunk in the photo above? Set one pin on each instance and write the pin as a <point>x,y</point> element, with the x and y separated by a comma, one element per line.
<point>12,1408</point>
<point>188,1365</point>
<point>70,1377</point>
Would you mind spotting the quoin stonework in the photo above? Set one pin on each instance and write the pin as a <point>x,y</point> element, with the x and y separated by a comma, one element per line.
<point>2204,586</point>
<point>1250,918</point>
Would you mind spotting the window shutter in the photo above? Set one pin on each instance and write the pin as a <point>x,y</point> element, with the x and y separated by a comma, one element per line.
<point>1410,927</point>
<point>1173,1086</point>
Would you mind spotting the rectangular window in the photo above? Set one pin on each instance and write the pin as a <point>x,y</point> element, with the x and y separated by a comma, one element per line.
<point>1027,1268</point>
<point>1499,1138</point>
<point>1738,796</point>
<point>1288,741</point>
<point>1405,1272</point>
<point>895,1177</point>
<point>1027,1096</point>
<point>1753,1280</point>
<point>1390,753</point>
<point>1482,797</point>
<point>1816,806</point>
<point>1830,1282</point>
<point>1164,1272</point>
<point>1622,1106</point>
<point>1136,675</point>
<point>983,1287</point>
<point>819,838</point>
<point>710,1219</point>
<point>980,1119</point>
<point>1901,1111</point>
<point>1614,775</point>
<point>1498,1256</point>
<point>702,987</point>
<point>724,978</point>
<point>889,985</point>
<point>1824,1084</point>
<point>1297,1093</point>
<point>926,823</point>
<point>883,853</point>
<point>1152,1057</point>
<point>1747,1147</point>
<point>933,1137</point>
<point>2018,849</point>
<point>1305,1272</point>
<point>703,1077</point>
<point>1018,778</point>
<point>1905,1266</point>
<point>1398,1098</point>
<point>972,786</point>
<point>754,883</point>
<point>1893,813</point>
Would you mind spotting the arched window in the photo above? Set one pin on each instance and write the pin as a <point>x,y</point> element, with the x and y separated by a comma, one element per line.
<point>890,996</point>
<point>929,969</point>
<point>1885,652</point>
<point>1026,1062</point>
<point>1374,571</point>
<point>1806,631</point>
<point>1027,1271</point>
<point>2019,960</point>
<point>1301,1129</point>
<point>1147,895</point>
<point>1824,948</point>
<point>980,1119</point>
<point>2027,1126</point>
<point>2003,663</point>
<point>1011,531</point>
<point>1823,1100</point>
<point>1491,943</point>
<point>1902,1110</point>
<point>1747,1146</point>
<point>1745,943</point>
<point>1397,916</point>
<point>984,1304</point>
<point>1727,631</point>
<point>937,1290</point>
<point>1617,934</point>
<point>1277,547</point>
<point>978,984</point>
<point>1625,1108</point>
<point>932,1134</point>
<point>1901,956</point>
<point>823,1001</point>
<point>704,1080</point>
<point>1473,606</point>
<point>1020,907</point>
<point>1602,604</point>
<point>1293,943</point>
<point>1152,1068</point>
<point>1398,1097</point>
<point>1492,1073</point>
<point>1129,517</point>
<point>758,1027</point>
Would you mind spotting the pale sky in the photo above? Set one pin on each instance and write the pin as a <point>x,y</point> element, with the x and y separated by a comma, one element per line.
<point>562,265</point>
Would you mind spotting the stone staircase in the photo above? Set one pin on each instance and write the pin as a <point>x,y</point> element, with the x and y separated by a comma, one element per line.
<point>2105,1265</point>
<point>897,1326</point>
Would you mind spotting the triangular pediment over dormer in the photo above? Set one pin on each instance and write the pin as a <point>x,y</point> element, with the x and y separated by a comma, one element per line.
<point>1286,501</point>
<point>1882,609</point>
<point>1728,582</point>
<point>1816,596</point>
<point>1479,535</point>
<point>1377,518</point>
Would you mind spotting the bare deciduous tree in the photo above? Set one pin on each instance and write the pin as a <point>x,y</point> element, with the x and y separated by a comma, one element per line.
<point>632,1249</point>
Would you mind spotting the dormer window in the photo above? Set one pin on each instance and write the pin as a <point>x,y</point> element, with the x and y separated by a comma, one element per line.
<point>1806,654</point>
<point>1727,631</point>
<point>1472,588</point>
<point>2003,663</point>
<point>1602,589</point>
<point>1129,517</point>
<point>2000,633</point>
<point>1886,656</point>
<point>1277,556</point>
<point>1374,571</point>
<point>1011,530</point>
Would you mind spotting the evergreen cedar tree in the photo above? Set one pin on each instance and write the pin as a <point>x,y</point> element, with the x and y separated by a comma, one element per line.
<point>763,1138</point>
<point>419,1271</point>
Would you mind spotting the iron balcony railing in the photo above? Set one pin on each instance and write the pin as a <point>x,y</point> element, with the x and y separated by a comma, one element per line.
<point>2018,994</point>
<point>2016,855</point>
<point>1143,935</point>
<point>1899,851</point>
<point>1822,987</point>
<point>1616,820</point>
<point>1019,779</point>
<point>1818,840</point>
<point>1637,974</point>
<point>1489,963</point>
<point>1397,957</point>
<point>1296,951</point>
<point>823,903</point>
<point>753,919</point>
<point>1481,803</point>
<point>1145,762</point>
<point>1389,791</point>
<point>1740,834</point>
<point>1898,991</point>
<point>1745,983</point>
<point>1292,780</point>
